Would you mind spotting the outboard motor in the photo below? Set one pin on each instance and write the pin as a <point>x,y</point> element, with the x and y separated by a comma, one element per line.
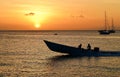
<point>96,49</point>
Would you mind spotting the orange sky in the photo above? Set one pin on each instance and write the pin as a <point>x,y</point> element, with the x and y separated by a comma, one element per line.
<point>58,14</point>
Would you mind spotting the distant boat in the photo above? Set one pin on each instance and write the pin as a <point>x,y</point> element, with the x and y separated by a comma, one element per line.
<point>112,28</point>
<point>55,34</point>
<point>112,31</point>
<point>74,51</point>
<point>105,31</point>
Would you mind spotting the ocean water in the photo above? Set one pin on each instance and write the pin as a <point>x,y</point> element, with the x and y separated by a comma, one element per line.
<point>24,54</point>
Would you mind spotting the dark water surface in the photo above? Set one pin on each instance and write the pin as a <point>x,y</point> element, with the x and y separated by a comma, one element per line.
<point>24,54</point>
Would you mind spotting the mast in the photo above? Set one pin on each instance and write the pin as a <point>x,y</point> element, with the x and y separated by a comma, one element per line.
<point>105,21</point>
<point>112,24</point>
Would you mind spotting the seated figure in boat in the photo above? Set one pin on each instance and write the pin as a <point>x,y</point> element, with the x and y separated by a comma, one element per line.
<point>80,46</point>
<point>89,47</point>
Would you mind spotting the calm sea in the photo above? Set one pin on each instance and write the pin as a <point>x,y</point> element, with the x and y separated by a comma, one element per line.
<point>24,54</point>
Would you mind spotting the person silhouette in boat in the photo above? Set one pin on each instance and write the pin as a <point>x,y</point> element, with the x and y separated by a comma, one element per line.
<point>80,46</point>
<point>89,47</point>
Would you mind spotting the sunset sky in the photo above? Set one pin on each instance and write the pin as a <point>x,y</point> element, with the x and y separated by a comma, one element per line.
<point>58,14</point>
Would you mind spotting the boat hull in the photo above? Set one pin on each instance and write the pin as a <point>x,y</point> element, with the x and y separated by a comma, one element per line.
<point>104,32</point>
<point>112,31</point>
<point>77,51</point>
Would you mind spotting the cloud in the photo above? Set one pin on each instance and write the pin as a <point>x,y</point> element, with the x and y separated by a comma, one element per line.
<point>30,14</point>
<point>77,16</point>
<point>81,16</point>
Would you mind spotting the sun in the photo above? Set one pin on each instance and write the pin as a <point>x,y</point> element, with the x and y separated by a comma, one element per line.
<point>38,17</point>
<point>37,25</point>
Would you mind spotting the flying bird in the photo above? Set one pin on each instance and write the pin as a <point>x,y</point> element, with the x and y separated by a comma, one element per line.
<point>77,16</point>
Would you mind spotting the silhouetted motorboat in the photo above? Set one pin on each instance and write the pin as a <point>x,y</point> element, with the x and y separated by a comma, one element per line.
<point>77,51</point>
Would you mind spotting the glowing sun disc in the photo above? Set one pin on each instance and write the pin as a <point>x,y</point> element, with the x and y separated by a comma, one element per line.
<point>37,25</point>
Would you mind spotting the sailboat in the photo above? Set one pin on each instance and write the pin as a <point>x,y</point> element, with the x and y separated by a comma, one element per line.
<point>112,28</point>
<point>105,31</point>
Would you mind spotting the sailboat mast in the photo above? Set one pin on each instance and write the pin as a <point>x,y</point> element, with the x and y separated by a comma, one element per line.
<point>112,24</point>
<point>105,21</point>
